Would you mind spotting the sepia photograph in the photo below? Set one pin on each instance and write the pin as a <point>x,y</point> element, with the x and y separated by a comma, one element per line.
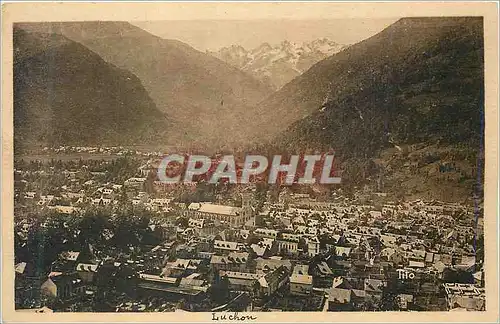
<point>234,165</point>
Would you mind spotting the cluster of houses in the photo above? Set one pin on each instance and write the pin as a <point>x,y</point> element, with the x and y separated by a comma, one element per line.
<point>114,150</point>
<point>78,194</point>
<point>296,253</point>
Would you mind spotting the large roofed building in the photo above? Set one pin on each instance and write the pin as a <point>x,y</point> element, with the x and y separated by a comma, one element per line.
<point>234,216</point>
<point>220,210</point>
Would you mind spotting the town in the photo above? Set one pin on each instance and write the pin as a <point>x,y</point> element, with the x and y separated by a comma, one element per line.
<point>105,235</point>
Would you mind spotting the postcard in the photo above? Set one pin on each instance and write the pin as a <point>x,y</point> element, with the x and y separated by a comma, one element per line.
<point>250,162</point>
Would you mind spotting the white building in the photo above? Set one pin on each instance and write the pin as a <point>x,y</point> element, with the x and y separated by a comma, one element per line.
<point>301,284</point>
<point>312,246</point>
<point>234,216</point>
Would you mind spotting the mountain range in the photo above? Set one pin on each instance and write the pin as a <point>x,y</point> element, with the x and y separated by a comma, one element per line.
<point>405,105</point>
<point>66,94</point>
<point>205,99</point>
<point>278,65</point>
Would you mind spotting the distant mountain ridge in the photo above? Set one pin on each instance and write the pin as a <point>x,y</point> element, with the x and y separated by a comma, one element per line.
<point>278,65</point>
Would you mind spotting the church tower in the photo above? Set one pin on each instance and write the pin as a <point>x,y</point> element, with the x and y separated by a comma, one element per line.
<point>247,208</point>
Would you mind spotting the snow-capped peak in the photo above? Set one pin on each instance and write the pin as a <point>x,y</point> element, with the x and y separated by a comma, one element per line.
<point>278,64</point>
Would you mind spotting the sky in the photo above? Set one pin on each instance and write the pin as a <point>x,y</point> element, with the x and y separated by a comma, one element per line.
<point>214,34</point>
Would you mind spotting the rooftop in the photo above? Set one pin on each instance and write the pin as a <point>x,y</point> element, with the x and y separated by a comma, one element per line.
<point>220,209</point>
<point>301,279</point>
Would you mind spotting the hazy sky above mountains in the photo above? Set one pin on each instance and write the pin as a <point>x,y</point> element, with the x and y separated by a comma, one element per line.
<point>214,34</point>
